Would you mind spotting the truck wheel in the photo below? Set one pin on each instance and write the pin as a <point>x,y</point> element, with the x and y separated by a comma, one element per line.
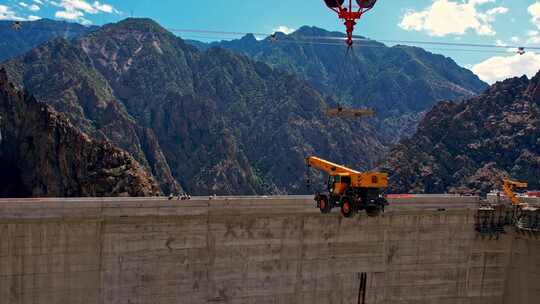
<point>324,205</point>
<point>347,208</point>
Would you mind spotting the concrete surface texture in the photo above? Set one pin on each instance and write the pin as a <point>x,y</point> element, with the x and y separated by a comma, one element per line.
<point>255,250</point>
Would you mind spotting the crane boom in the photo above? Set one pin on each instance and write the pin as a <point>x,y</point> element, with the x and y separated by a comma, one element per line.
<point>328,167</point>
<point>509,186</point>
<point>491,220</point>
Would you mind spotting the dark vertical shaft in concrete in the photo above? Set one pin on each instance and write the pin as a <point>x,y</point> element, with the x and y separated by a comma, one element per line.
<point>362,288</point>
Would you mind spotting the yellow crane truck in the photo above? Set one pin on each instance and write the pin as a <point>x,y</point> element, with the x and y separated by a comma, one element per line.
<point>509,187</point>
<point>350,190</point>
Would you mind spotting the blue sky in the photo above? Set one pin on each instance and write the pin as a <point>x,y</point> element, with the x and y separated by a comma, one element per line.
<point>505,22</point>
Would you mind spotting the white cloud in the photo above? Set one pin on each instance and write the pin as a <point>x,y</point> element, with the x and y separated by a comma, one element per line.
<point>499,68</point>
<point>76,5</point>
<point>509,48</point>
<point>283,29</point>
<point>533,37</point>
<point>6,13</point>
<point>75,10</point>
<point>31,7</point>
<point>534,11</point>
<point>499,42</point>
<point>106,8</point>
<point>69,15</point>
<point>445,17</point>
<point>72,10</point>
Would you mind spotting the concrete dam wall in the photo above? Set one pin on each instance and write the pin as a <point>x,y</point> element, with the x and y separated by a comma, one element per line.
<point>256,250</point>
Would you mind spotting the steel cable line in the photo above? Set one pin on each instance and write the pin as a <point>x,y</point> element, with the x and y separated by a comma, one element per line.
<point>531,47</point>
<point>320,40</point>
<point>360,38</point>
<point>342,38</point>
<point>358,45</point>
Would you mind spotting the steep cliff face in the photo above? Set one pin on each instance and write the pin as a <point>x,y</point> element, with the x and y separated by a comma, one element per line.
<point>43,154</point>
<point>215,121</point>
<point>400,82</point>
<point>470,146</point>
<point>62,75</point>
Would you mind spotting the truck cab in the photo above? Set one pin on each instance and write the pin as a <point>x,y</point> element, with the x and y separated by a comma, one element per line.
<point>337,184</point>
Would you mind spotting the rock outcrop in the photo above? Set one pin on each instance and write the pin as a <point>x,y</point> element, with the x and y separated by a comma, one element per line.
<point>470,146</point>
<point>42,154</point>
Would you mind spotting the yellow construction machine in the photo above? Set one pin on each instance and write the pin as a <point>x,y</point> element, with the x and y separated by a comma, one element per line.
<point>350,190</point>
<point>509,187</point>
<point>492,218</point>
<point>348,113</point>
<point>526,218</point>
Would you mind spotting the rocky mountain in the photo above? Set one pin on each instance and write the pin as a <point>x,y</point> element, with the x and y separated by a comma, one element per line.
<point>43,154</point>
<point>470,146</point>
<point>399,82</point>
<point>203,121</point>
<point>33,33</point>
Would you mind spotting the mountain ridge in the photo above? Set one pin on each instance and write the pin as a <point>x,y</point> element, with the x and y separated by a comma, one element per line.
<point>399,82</point>
<point>396,88</point>
<point>33,33</point>
<point>43,154</point>
<point>263,50</point>
<point>469,147</point>
<point>219,122</point>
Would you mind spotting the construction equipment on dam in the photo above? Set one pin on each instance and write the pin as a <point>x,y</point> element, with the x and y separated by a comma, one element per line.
<point>510,210</point>
<point>341,112</point>
<point>527,217</point>
<point>151,250</point>
<point>509,187</point>
<point>350,190</point>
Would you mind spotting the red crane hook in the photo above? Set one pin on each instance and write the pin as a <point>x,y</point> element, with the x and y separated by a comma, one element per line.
<point>350,14</point>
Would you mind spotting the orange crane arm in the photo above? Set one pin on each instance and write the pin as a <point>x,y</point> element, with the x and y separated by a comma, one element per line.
<point>509,186</point>
<point>328,167</point>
